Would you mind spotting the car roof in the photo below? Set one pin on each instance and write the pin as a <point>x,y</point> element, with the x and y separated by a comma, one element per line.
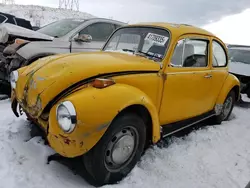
<point>8,15</point>
<point>88,19</point>
<point>173,27</point>
<point>237,46</point>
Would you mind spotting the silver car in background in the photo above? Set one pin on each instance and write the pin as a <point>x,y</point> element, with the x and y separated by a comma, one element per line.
<point>64,36</point>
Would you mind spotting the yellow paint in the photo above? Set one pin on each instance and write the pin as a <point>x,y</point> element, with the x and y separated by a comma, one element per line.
<point>183,94</point>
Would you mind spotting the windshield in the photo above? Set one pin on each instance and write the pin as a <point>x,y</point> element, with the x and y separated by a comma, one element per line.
<point>144,41</point>
<point>239,55</point>
<point>60,28</point>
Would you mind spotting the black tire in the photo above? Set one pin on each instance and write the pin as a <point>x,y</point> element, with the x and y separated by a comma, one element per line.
<point>5,89</point>
<point>95,162</point>
<point>224,117</point>
<point>248,92</point>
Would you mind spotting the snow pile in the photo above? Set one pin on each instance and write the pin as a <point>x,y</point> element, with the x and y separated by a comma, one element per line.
<point>216,156</point>
<point>232,29</point>
<point>39,15</point>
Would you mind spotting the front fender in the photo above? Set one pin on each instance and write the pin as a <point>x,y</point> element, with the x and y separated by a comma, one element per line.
<point>96,108</point>
<point>230,83</point>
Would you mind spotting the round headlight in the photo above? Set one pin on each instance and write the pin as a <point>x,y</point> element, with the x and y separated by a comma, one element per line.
<point>13,79</point>
<point>66,116</point>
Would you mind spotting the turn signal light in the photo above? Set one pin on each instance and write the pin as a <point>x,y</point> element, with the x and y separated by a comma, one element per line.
<point>102,83</point>
<point>20,41</point>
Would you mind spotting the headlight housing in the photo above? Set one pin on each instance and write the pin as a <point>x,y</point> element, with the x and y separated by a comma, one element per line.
<point>13,79</point>
<point>66,116</point>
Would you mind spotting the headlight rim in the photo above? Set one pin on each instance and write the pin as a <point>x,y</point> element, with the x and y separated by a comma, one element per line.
<point>72,112</point>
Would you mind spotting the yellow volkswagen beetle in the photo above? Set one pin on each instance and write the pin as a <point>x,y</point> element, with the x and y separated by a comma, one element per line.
<point>149,81</point>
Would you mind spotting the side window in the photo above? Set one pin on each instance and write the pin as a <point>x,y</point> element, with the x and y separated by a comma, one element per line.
<point>99,31</point>
<point>2,18</point>
<point>219,55</point>
<point>190,53</point>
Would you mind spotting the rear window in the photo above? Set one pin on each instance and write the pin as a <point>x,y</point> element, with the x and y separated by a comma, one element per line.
<point>23,23</point>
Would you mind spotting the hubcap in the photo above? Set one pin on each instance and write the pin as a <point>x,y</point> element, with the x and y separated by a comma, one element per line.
<point>227,107</point>
<point>121,149</point>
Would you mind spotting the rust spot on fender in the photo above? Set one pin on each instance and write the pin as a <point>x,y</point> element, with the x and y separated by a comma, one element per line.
<point>81,144</point>
<point>66,140</point>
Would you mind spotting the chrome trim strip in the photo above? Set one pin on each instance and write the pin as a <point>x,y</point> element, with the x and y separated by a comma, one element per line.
<point>189,125</point>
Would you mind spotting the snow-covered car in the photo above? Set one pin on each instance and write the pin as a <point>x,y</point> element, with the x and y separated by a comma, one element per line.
<point>148,82</point>
<point>64,36</point>
<point>8,18</point>
<point>239,65</point>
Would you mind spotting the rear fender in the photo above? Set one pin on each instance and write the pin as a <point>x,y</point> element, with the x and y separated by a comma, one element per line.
<point>230,83</point>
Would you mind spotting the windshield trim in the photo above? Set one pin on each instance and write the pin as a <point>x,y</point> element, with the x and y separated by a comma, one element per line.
<point>143,26</point>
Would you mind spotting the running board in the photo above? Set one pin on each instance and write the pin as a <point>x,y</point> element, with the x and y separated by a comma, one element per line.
<point>178,126</point>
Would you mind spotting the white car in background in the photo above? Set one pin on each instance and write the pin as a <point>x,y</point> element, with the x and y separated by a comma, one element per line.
<point>239,57</point>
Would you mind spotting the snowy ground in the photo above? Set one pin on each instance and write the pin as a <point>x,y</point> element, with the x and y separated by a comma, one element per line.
<point>216,157</point>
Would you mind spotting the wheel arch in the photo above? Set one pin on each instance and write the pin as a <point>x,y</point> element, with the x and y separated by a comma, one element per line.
<point>231,83</point>
<point>145,115</point>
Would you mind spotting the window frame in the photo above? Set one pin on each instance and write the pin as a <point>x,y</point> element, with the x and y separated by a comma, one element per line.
<point>225,52</point>
<point>194,38</point>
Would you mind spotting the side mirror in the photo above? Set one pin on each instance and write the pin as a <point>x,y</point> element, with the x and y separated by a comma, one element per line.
<point>83,38</point>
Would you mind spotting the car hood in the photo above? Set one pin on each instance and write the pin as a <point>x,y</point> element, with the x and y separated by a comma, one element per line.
<point>44,79</point>
<point>7,30</point>
<point>239,68</point>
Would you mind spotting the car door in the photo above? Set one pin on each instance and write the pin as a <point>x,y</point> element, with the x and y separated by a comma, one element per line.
<point>99,32</point>
<point>219,68</point>
<point>186,91</point>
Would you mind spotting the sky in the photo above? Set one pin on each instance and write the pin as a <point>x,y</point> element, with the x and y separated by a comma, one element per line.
<point>225,18</point>
<point>195,12</point>
<point>232,29</point>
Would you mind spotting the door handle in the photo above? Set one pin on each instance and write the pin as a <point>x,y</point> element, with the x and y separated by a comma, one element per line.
<point>208,76</point>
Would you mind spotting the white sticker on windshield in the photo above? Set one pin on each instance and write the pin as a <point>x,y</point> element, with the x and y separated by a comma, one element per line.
<point>156,39</point>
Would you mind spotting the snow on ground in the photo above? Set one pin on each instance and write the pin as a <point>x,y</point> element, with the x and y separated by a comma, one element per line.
<point>41,14</point>
<point>216,157</point>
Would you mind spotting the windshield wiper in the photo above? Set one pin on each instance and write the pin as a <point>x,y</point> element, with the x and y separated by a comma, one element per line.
<point>144,54</point>
<point>128,50</point>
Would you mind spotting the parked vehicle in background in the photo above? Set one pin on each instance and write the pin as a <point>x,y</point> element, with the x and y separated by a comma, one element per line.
<point>63,36</point>
<point>239,56</point>
<point>148,82</point>
<point>8,18</point>
<point>35,28</point>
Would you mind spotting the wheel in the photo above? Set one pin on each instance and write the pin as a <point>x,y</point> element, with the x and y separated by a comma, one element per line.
<point>118,151</point>
<point>226,109</point>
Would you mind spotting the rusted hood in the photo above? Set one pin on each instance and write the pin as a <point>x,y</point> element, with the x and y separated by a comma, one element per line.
<point>44,79</point>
